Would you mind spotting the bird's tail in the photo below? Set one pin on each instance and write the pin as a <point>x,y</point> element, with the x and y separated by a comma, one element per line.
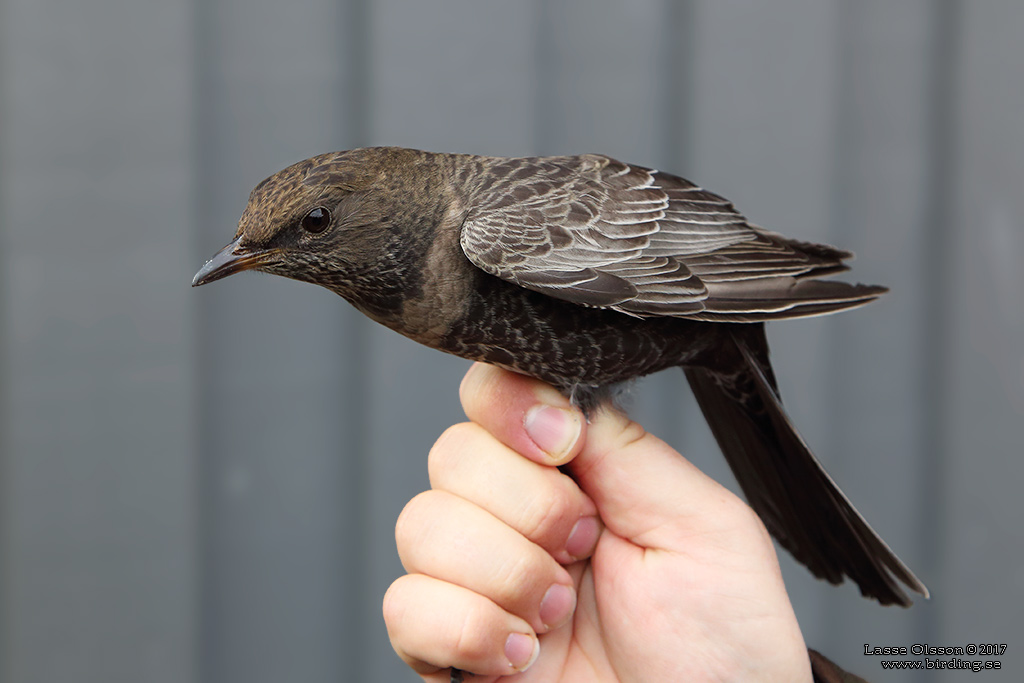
<point>784,483</point>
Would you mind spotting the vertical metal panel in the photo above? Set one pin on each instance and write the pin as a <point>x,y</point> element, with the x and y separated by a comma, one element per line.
<point>279,401</point>
<point>877,401</point>
<point>454,75</point>
<point>98,490</point>
<point>602,85</point>
<point>981,433</point>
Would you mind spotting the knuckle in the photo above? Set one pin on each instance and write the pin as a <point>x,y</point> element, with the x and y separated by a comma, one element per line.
<point>479,637</point>
<point>409,521</point>
<point>516,581</point>
<point>545,515</point>
<point>393,605</point>
<point>444,454</point>
<point>617,434</point>
<point>477,383</point>
<point>472,642</point>
<point>632,433</point>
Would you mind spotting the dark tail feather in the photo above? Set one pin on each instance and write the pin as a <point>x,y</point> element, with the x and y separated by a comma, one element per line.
<point>783,481</point>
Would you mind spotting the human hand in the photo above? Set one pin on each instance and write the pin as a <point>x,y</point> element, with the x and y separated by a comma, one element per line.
<point>637,568</point>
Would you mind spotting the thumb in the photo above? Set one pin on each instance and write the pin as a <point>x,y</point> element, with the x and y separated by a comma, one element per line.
<point>645,490</point>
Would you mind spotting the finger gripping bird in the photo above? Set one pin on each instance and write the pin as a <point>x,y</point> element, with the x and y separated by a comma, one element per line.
<point>584,272</point>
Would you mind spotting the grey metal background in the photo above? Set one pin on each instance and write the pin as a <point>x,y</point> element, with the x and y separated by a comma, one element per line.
<point>200,486</point>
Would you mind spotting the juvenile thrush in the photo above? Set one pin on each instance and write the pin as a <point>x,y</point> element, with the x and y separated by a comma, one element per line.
<point>584,272</point>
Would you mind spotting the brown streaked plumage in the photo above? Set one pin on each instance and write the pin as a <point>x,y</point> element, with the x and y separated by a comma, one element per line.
<point>584,272</point>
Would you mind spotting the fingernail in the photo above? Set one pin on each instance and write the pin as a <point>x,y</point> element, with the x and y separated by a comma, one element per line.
<point>583,537</point>
<point>554,430</point>
<point>557,605</point>
<point>521,650</point>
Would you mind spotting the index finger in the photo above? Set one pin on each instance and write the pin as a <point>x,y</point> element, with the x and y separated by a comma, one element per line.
<point>525,414</point>
<point>644,489</point>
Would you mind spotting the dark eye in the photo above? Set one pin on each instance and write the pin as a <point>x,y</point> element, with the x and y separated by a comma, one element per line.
<point>317,220</point>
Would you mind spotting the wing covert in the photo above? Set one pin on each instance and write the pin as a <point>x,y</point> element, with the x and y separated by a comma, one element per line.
<point>598,232</point>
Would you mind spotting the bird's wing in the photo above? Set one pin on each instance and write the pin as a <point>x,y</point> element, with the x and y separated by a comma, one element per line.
<point>598,232</point>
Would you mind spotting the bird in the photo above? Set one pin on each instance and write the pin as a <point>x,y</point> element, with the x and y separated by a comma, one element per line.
<point>586,273</point>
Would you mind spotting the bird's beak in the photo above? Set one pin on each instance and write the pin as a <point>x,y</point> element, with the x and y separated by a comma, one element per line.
<point>230,260</point>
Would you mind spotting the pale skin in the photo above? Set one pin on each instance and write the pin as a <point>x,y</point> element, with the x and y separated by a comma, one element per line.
<point>637,568</point>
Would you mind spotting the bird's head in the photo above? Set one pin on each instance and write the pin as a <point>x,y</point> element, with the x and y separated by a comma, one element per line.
<point>326,220</point>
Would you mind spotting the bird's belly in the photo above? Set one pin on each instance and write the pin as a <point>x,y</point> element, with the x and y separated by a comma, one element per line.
<point>569,345</point>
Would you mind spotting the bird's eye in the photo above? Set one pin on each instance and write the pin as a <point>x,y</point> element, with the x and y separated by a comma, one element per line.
<point>317,220</point>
